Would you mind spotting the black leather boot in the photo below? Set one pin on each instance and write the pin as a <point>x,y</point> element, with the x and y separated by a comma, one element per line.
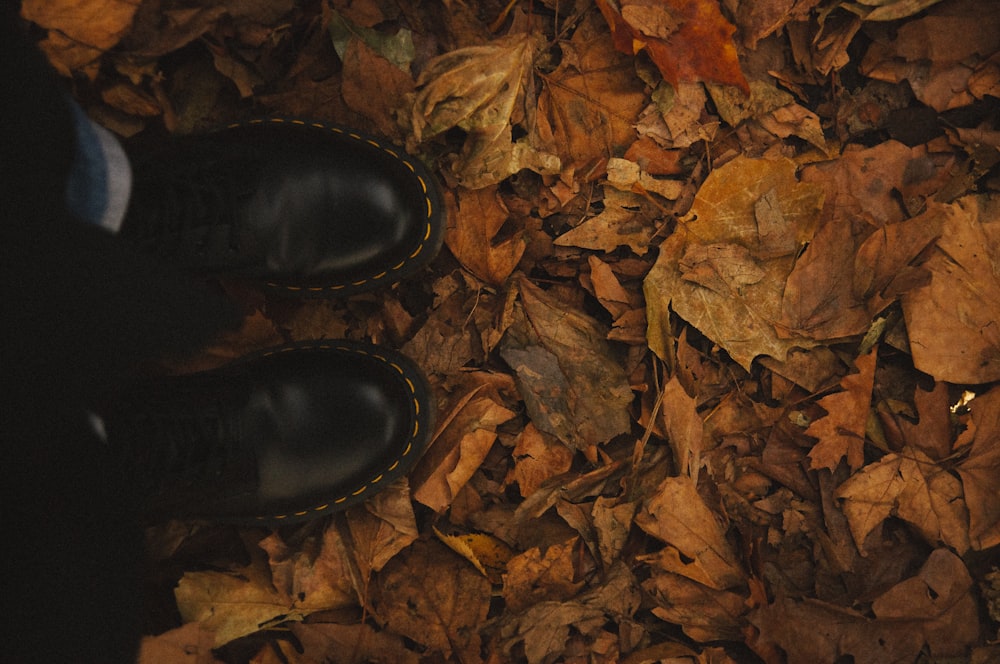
<point>285,435</point>
<point>303,208</point>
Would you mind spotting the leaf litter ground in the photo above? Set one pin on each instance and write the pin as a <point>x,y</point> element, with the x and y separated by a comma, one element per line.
<point>714,338</point>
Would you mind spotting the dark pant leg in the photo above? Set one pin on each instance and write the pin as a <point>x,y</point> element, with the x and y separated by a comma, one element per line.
<point>79,310</point>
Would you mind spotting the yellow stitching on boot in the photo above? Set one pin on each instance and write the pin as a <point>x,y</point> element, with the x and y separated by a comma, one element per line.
<point>409,444</point>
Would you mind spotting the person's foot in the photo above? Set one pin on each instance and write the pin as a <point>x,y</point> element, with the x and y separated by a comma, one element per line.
<point>302,208</point>
<point>286,435</point>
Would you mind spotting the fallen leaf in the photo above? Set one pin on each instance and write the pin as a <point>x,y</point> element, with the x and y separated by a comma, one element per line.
<point>534,576</point>
<point>688,41</point>
<point>487,554</point>
<point>537,458</point>
<point>475,220</point>
<point>980,472</point>
<point>188,644</point>
<point>482,89</point>
<point>589,105</point>
<point>80,30</point>
<point>677,515</point>
<point>684,428</point>
<point>382,527</point>
<point>940,600</point>
<point>912,487</point>
<point>626,220</point>
<point>755,204</point>
<point>323,643</point>
<point>572,386</point>
<point>952,323</point>
<point>841,432</point>
<point>441,608</point>
<point>704,613</point>
<point>457,451</point>
<point>813,631</point>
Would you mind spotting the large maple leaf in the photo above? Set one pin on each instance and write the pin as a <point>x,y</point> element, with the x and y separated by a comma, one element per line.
<point>688,41</point>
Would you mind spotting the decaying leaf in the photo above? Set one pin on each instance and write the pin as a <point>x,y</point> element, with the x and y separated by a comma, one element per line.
<point>487,554</point>
<point>441,607</point>
<point>482,90</point>
<point>677,515</point>
<point>841,432</point>
<point>980,479</point>
<point>476,218</point>
<point>82,30</point>
<point>724,269</point>
<point>572,387</point>
<point>458,450</point>
<point>624,221</point>
<point>285,585</point>
<point>914,488</point>
<point>688,41</point>
<point>952,322</point>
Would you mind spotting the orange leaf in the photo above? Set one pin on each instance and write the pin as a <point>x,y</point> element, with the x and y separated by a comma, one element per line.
<point>688,41</point>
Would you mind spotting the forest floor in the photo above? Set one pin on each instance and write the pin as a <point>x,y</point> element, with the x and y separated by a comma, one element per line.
<point>714,336</point>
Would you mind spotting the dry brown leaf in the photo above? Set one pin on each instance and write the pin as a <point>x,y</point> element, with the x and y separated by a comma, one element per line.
<point>476,216</point>
<point>373,86</point>
<point>755,204</point>
<point>812,631</point>
<point>940,600</point>
<point>684,428</point>
<point>382,527</point>
<point>457,451</point>
<point>537,458</point>
<point>188,644</point>
<point>323,643</point>
<point>608,289</point>
<point>483,90</point>
<point>81,30</point>
<point>841,432</point>
<point>912,487</point>
<point>627,220</point>
<point>952,323</point>
<point>687,41</point>
<point>442,607</point>
<point>612,525</point>
<point>533,576</point>
<point>573,387</point>
<point>678,515</point>
<point>704,613</point>
<point>589,105</point>
<point>980,472</point>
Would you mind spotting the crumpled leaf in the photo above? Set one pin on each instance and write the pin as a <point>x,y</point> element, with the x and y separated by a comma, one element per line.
<point>813,631</point>
<point>940,600</point>
<point>81,30</point>
<point>926,53</point>
<point>382,527</point>
<point>544,628</point>
<point>188,644</point>
<point>458,450</point>
<point>536,576</point>
<point>724,269</point>
<point>912,487</point>
<point>980,472</point>
<point>678,515</point>
<point>537,458</point>
<point>288,587</point>
<point>952,322</point>
<point>688,41</point>
<point>588,106</point>
<point>703,612</point>
<point>487,554</point>
<point>482,89</point>
<point>841,432</point>
<point>572,386</point>
<point>473,223</point>
<point>442,607</point>
<point>625,221</point>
